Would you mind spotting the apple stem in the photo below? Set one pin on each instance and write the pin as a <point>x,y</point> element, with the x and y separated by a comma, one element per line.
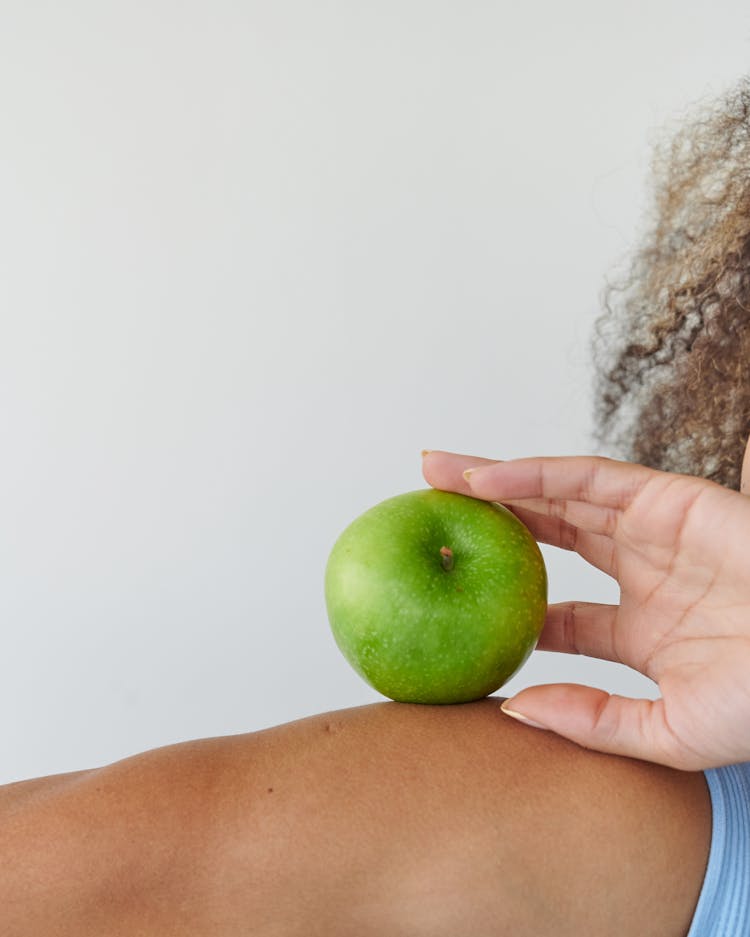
<point>447,556</point>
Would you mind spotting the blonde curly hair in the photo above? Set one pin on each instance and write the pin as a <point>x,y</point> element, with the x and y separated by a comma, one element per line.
<point>672,349</point>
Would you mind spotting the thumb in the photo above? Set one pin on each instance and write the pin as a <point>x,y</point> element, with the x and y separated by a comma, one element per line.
<point>601,721</point>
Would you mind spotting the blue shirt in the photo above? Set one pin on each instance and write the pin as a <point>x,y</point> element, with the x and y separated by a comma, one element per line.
<point>723,908</point>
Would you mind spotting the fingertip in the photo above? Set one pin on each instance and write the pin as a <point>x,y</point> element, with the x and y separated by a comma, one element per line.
<point>468,473</point>
<point>445,470</point>
<point>508,707</point>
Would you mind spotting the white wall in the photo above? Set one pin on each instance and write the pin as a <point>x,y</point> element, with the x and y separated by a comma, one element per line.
<point>254,257</point>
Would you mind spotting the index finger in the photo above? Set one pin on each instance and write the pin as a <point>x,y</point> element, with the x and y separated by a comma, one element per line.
<point>592,479</point>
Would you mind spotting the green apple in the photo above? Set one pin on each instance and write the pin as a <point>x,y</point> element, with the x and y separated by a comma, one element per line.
<point>435,597</point>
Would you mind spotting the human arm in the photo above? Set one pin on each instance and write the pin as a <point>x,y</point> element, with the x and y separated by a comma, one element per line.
<point>392,819</point>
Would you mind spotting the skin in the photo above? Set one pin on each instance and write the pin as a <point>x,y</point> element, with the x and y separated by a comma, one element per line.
<point>395,819</point>
<point>409,820</point>
<point>676,546</point>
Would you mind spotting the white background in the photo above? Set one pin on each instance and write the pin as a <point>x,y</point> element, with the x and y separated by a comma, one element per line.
<point>254,256</point>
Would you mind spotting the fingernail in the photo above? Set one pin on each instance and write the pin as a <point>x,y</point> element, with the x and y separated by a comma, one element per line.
<point>514,714</point>
<point>426,452</point>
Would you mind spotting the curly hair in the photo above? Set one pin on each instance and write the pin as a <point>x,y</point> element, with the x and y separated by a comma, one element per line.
<point>672,348</point>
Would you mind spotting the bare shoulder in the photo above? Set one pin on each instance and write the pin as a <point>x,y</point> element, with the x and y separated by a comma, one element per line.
<point>459,817</point>
<point>398,819</point>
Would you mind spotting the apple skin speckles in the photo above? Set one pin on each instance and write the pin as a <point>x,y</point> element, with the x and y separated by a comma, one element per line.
<point>418,632</point>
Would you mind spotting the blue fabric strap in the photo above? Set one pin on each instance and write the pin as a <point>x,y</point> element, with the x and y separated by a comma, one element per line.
<point>723,909</point>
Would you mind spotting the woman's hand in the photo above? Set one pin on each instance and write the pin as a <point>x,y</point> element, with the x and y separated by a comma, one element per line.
<point>679,548</point>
